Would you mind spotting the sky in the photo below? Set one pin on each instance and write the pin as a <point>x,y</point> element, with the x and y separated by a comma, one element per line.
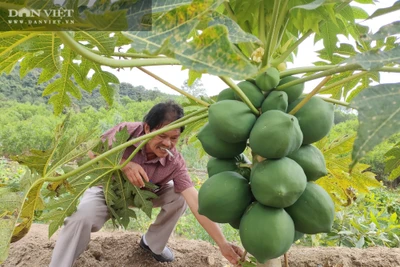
<point>213,85</point>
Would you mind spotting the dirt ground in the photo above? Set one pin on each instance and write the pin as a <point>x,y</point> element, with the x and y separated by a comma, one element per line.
<point>120,249</point>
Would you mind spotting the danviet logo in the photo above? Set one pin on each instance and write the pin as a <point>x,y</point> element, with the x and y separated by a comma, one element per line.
<point>40,16</point>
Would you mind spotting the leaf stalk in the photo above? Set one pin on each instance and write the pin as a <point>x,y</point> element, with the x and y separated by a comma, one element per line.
<point>239,91</point>
<point>115,63</point>
<point>308,96</point>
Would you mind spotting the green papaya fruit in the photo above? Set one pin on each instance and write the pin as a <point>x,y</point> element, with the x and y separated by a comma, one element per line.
<point>276,100</point>
<point>311,160</point>
<point>275,135</point>
<point>277,183</point>
<point>315,118</point>
<point>235,224</point>
<point>252,92</point>
<point>265,232</point>
<point>216,147</point>
<point>314,211</point>
<point>231,120</point>
<point>268,80</point>
<point>297,236</point>
<point>293,91</point>
<point>224,197</point>
<point>215,165</point>
<point>226,94</point>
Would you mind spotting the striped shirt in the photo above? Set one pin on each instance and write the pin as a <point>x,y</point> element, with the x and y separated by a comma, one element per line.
<point>159,170</point>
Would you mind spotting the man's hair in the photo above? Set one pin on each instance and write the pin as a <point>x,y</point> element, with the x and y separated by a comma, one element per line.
<point>163,113</point>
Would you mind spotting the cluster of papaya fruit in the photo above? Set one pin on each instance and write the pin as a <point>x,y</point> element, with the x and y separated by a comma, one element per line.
<point>276,201</point>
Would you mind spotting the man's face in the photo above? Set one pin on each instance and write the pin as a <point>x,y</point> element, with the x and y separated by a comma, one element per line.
<point>165,140</point>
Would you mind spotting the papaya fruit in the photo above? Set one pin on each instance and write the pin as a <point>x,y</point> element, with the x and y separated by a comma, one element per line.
<point>216,147</point>
<point>297,236</point>
<point>315,118</point>
<point>293,91</point>
<point>268,80</point>
<point>215,165</point>
<point>252,92</point>
<point>275,135</point>
<point>276,100</point>
<point>265,232</point>
<point>224,197</point>
<point>231,120</point>
<point>311,160</point>
<point>235,224</point>
<point>226,94</point>
<point>314,211</point>
<point>277,183</point>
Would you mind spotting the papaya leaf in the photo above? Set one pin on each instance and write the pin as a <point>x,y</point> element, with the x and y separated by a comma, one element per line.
<point>236,34</point>
<point>387,10</point>
<point>312,5</point>
<point>359,13</point>
<point>374,60</point>
<point>10,204</point>
<point>210,51</point>
<point>63,87</point>
<point>98,39</point>
<point>392,162</point>
<point>378,115</point>
<point>44,167</point>
<point>193,75</point>
<point>339,183</point>
<point>386,31</point>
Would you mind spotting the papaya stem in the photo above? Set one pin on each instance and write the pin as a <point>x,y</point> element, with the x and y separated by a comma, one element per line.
<point>285,256</point>
<point>277,26</point>
<point>261,25</point>
<point>345,80</point>
<point>287,53</point>
<point>123,146</point>
<point>308,96</point>
<point>239,91</point>
<point>269,46</point>
<point>334,101</point>
<point>144,142</point>
<point>300,70</point>
<point>173,87</point>
<point>68,40</point>
<point>319,75</point>
<point>243,258</point>
<point>127,54</point>
<point>190,115</point>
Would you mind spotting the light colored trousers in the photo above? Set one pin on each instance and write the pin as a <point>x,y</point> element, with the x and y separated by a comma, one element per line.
<point>92,213</point>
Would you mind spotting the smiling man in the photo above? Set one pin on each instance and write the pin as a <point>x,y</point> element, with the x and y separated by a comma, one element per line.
<point>155,164</point>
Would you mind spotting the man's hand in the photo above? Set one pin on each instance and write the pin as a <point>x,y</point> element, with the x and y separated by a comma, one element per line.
<point>135,174</point>
<point>231,252</point>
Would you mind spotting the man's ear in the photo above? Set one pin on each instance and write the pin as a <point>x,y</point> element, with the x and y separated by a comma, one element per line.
<point>146,128</point>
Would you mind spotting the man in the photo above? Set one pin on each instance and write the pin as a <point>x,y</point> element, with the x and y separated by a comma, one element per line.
<point>152,163</point>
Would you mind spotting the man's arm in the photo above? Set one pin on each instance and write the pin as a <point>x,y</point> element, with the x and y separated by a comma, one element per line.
<point>228,250</point>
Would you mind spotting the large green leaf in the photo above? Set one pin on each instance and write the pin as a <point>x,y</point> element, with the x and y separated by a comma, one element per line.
<point>379,117</point>
<point>210,51</point>
<point>236,34</point>
<point>387,10</point>
<point>392,162</point>
<point>339,181</point>
<point>10,203</point>
<point>374,60</point>
<point>386,31</point>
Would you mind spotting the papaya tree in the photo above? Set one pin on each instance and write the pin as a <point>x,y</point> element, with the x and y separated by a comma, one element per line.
<point>247,41</point>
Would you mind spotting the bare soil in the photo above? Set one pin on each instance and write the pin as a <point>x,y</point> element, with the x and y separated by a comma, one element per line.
<point>121,248</point>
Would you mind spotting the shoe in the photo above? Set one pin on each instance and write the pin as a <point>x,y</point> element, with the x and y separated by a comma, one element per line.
<point>165,256</point>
